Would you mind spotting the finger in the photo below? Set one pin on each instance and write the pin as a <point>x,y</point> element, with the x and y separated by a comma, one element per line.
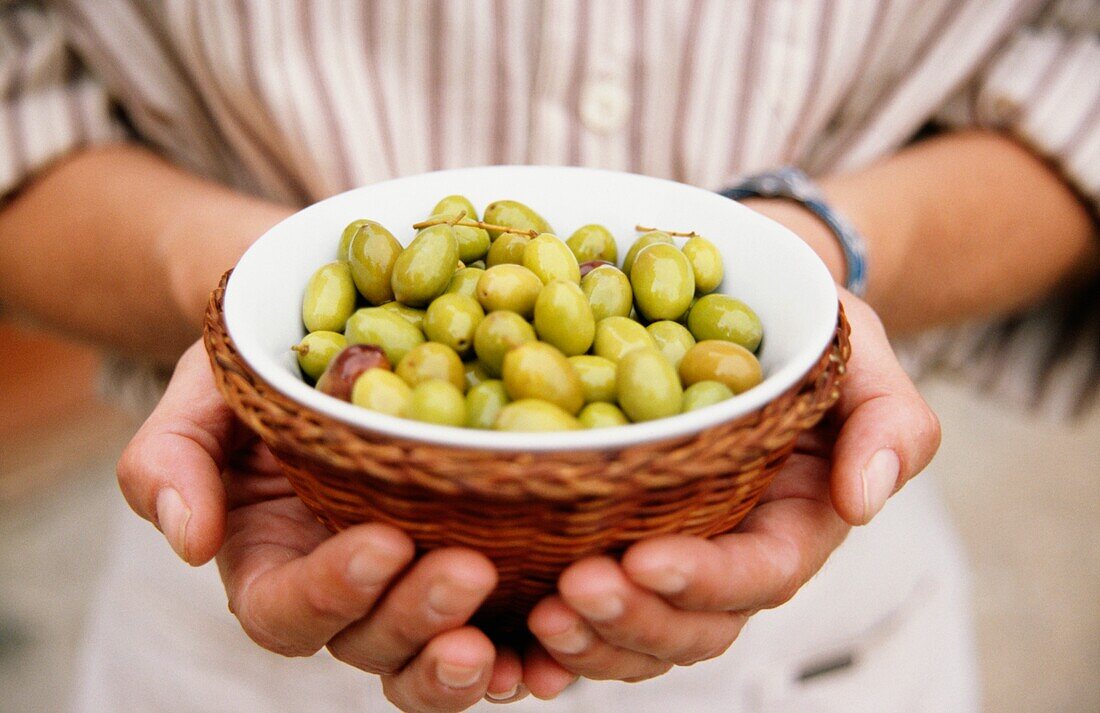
<point>629,617</point>
<point>776,549</point>
<point>450,674</point>
<point>543,676</point>
<point>170,473</point>
<point>441,592</point>
<point>889,433</point>
<point>574,644</point>
<point>506,682</point>
<point>293,586</point>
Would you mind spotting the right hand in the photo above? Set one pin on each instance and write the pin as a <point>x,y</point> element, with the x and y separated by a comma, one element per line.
<point>212,488</point>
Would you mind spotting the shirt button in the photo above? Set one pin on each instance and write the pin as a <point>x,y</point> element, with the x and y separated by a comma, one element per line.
<point>605,106</point>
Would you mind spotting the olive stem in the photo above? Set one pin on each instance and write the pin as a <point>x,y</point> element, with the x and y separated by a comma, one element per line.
<point>300,349</point>
<point>458,216</point>
<point>473,224</point>
<point>681,233</point>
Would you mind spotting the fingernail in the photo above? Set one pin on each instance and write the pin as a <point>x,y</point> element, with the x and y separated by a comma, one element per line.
<point>456,675</point>
<point>662,580</point>
<point>513,694</point>
<point>572,641</point>
<point>450,598</point>
<point>879,476</point>
<point>172,518</point>
<point>601,608</point>
<point>372,566</point>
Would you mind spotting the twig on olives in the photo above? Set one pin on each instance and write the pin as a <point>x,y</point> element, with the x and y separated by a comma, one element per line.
<point>300,349</point>
<point>474,224</point>
<point>681,233</point>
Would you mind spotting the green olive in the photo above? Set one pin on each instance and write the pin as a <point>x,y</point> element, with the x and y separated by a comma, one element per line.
<point>412,315</point>
<point>329,298</point>
<point>662,281</point>
<point>452,320</point>
<point>564,318</point>
<point>602,415</point>
<point>551,259</point>
<point>498,333</point>
<point>723,317</point>
<point>705,393</point>
<point>597,377</point>
<point>478,264</point>
<point>618,336</point>
<point>608,292</point>
<point>647,385</point>
<point>507,250</point>
<point>593,242</point>
<point>475,374</point>
<point>513,214</point>
<point>464,281</point>
<point>431,360</point>
<point>473,243</point>
<point>672,339</point>
<point>372,253</point>
<point>484,403</point>
<point>382,391</point>
<point>533,415</point>
<point>536,370</point>
<point>512,288</point>
<point>683,319</point>
<point>437,401</point>
<point>316,350</point>
<point>383,328</point>
<point>644,241</point>
<point>424,269</point>
<point>706,264</point>
<point>725,362</point>
<point>347,235</point>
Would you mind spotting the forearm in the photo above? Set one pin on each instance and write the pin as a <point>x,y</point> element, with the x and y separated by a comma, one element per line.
<point>116,245</point>
<point>962,225</point>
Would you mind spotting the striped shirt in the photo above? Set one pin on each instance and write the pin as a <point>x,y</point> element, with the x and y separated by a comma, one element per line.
<point>296,101</point>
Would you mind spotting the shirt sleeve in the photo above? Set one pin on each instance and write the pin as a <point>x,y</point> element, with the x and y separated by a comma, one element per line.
<point>49,103</point>
<point>1041,87</point>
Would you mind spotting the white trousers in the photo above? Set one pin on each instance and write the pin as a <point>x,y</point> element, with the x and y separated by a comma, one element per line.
<point>884,627</point>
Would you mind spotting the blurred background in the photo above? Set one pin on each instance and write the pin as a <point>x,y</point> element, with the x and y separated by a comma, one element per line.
<point>1025,495</point>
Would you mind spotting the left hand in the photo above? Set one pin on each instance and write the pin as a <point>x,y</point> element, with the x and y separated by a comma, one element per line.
<point>677,600</point>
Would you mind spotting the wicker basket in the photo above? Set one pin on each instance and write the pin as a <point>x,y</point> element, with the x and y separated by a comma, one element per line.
<point>532,513</point>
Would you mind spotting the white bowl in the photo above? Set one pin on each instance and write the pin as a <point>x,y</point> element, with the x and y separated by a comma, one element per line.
<point>767,266</point>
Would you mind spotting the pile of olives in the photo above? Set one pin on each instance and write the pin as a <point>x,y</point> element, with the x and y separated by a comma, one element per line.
<point>499,324</point>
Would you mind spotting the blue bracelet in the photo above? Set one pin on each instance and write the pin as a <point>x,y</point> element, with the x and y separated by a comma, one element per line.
<point>791,183</point>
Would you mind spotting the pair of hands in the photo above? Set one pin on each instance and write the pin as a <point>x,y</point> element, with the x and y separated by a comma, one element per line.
<point>213,490</point>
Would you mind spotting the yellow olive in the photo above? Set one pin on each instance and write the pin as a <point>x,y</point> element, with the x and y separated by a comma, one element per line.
<point>706,264</point>
<point>597,377</point>
<point>536,370</point>
<point>432,361</point>
<point>437,401</point>
<point>484,403</point>
<point>512,288</point>
<point>452,320</point>
<point>424,269</point>
<point>507,250</point>
<point>475,374</point>
<point>726,318</point>
<point>498,333</point>
<point>602,415</point>
<point>705,393</point>
<point>347,235</point>
<point>316,350</point>
<point>564,318</point>
<point>593,242</point>
<point>551,259</point>
<point>372,253</point>
<point>662,281</point>
<point>382,391</point>
<point>385,329</point>
<point>513,214</point>
<point>531,415</point>
<point>464,281</point>
<point>473,243</point>
<point>412,315</point>
<point>618,336</point>
<point>608,292</point>
<point>647,385</point>
<point>329,298</point>
<point>725,362</point>
<point>672,339</point>
<point>644,241</point>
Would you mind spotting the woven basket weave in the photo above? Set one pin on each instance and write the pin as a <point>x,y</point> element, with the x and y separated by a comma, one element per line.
<point>531,513</point>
